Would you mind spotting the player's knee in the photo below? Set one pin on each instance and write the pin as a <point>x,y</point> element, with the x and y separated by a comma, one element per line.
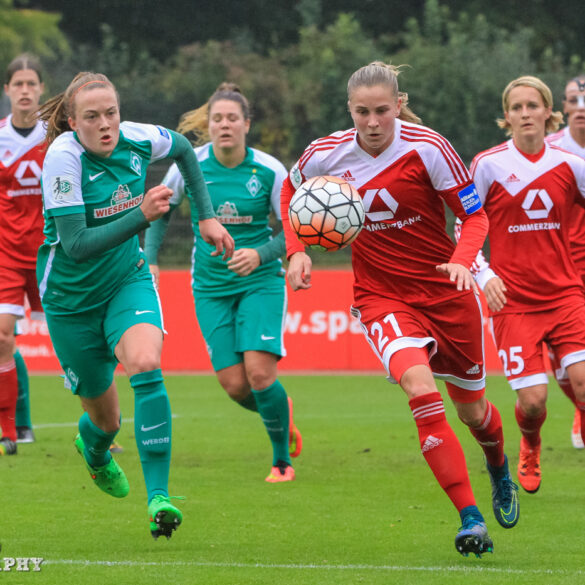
<point>143,362</point>
<point>237,391</point>
<point>533,407</point>
<point>260,379</point>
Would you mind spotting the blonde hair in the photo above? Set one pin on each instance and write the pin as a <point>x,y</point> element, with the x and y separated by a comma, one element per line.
<point>379,73</point>
<point>556,118</point>
<point>197,121</point>
<point>56,111</point>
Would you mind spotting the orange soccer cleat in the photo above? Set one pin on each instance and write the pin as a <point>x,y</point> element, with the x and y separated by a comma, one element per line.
<point>529,467</point>
<point>576,438</point>
<point>295,439</point>
<point>281,472</point>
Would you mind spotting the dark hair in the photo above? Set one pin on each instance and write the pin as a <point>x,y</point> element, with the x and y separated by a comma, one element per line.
<point>58,109</point>
<point>24,61</point>
<point>197,121</point>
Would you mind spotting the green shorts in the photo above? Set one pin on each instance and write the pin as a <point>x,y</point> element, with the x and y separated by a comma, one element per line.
<point>252,320</point>
<point>85,342</point>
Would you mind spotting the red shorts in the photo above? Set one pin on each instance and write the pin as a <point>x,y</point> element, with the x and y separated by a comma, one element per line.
<point>452,332</point>
<point>15,284</point>
<point>519,338</point>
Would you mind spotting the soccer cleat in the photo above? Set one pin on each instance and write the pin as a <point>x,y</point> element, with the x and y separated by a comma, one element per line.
<point>25,435</point>
<point>116,448</point>
<point>109,477</point>
<point>529,467</point>
<point>7,446</point>
<point>473,537</point>
<point>295,439</point>
<point>576,438</point>
<point>504,495</point>
<point>281,472</point>
<point>163,516</point>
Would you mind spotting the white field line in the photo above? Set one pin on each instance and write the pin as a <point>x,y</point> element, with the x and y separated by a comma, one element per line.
<point>74,424</point>
<point>389,568</point>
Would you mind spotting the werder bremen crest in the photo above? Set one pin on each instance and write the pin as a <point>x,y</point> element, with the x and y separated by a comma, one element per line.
<point>254,185</point>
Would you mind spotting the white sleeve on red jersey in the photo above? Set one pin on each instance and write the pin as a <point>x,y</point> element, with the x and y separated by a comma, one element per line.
<point>480,268</point>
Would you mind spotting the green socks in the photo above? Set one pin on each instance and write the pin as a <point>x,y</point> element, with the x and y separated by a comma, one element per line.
<point>23,402</point>
<point>152,427</point>
<point>97,442</point>
<point>273,408</point>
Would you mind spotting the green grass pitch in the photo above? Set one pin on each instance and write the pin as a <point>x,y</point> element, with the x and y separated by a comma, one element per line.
<point>364,508</point>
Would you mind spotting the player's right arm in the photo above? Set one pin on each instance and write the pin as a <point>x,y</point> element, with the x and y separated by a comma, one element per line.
<point>64,203</point>
<point>300,264</point>
<point>155,234</point>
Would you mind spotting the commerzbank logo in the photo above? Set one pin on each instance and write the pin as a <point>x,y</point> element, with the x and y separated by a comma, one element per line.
<point>28,173</point>
<point>537,204</point>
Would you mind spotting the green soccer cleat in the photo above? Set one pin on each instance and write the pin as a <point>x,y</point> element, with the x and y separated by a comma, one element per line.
<point>110,478</point>
<point>504,495</point>
<point>163,516</point>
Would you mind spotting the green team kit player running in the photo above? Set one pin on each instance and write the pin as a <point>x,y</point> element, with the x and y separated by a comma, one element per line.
<point>97,292</point>
<point>241,303</point>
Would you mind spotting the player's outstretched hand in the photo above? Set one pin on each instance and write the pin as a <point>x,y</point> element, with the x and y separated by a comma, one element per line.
<point>458,274</point>
<point>156,202</point>
<point>244,261</point>
<point>214,233</point>
<point>495,293</point>
<point>299,271</point>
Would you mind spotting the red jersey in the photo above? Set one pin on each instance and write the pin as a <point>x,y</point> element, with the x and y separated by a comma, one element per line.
<point>530,204</point>
<point>21,206</point>
<point>564,139</point>
<point>403,190</point>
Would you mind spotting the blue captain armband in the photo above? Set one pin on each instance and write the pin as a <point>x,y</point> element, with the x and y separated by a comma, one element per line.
<point>469,198</point>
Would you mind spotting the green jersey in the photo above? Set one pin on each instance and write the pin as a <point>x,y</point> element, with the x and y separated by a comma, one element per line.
<point>104,189</point>
<point>242,198</point>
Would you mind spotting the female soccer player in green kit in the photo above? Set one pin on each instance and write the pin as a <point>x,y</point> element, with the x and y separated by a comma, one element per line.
<point>98,295</point>
<point>240,304</point>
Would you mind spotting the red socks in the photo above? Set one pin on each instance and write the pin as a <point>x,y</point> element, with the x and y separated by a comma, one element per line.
<point>530,426</point>
<point>441,449</point>
<point>490,436</point>
<point>8,398</point>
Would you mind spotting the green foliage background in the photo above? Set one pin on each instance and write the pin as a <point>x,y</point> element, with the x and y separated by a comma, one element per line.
<point>293,61</point>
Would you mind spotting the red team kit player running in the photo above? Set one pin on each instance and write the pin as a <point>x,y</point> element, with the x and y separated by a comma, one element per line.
<point>413,292</point>
<point>572,138</point>
<point>22,151</point>
<point>535,295</point>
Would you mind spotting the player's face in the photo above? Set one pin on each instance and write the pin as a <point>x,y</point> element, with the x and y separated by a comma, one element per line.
<point>24,91</point>
<point>527,114</point>
<point>574,106</point>
<point>374,111</point>
<point>227,126</point>
<point>97,119</point>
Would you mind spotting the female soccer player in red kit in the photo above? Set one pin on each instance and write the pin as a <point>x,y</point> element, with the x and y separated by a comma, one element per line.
<point>22,151</point>
<point>534,292</point>
<point>413,292</point>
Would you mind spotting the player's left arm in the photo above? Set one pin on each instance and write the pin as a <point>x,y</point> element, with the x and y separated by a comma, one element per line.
<point>211,230</point>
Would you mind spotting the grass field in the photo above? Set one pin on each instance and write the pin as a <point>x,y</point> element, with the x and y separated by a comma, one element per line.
<point>364,509</point>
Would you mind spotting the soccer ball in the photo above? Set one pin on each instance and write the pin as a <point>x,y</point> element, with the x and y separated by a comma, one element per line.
<point>326,213</point>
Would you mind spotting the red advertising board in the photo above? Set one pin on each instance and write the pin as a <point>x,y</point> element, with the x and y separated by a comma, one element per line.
<point>320,334</point>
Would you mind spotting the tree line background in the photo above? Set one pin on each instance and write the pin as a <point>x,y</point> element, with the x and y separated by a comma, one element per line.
<point>292,58</point>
